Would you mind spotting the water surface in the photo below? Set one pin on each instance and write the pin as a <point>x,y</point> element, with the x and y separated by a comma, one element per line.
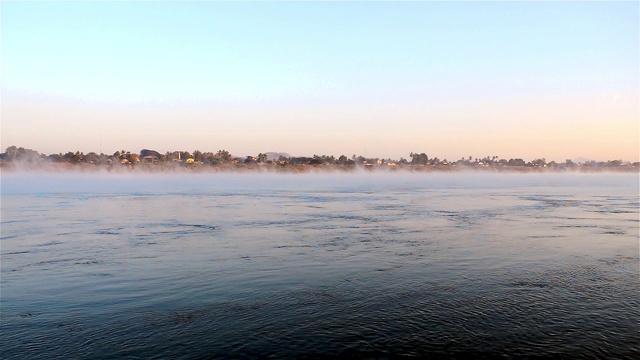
<point>357,265</point>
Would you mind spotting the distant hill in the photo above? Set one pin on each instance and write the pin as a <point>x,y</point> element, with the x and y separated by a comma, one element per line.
<point>146,152</point>
<point>276,155</point>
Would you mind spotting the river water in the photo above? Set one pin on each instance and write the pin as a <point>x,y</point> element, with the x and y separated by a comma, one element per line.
<point>319,265</point>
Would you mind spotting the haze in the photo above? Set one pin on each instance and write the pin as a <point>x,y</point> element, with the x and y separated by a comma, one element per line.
<point>96,183</point>
<point>553,80</point>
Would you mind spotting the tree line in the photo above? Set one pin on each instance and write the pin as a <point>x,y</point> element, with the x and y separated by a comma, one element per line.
<point>15,154</point>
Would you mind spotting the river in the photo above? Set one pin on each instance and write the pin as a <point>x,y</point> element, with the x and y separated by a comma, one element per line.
<point>319,265</point>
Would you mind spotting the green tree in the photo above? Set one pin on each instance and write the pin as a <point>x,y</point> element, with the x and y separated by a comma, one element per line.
<point>539,162</point>
<point>92,158</point>
<point>419,159</point>
<point>224,156</point>
<point>197,155</point>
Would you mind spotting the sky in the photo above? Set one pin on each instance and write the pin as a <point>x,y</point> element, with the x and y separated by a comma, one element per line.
<point>553,80</point>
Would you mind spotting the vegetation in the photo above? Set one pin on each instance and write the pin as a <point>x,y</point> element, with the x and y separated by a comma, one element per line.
<point>222,160</point>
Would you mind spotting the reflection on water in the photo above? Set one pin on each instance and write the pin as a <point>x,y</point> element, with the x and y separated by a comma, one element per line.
<point>320,265</point>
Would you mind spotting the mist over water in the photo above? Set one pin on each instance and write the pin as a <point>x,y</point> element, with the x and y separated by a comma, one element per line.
<point>307,265</point>
<point>31,182</point>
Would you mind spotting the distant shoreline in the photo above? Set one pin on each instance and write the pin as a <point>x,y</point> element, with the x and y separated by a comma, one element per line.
<point>151,161</point>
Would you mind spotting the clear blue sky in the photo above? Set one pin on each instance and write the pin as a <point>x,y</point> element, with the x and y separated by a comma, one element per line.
<point>536,79</point>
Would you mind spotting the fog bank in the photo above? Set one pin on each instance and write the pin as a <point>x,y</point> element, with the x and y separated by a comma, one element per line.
<point>13,183</point>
